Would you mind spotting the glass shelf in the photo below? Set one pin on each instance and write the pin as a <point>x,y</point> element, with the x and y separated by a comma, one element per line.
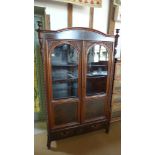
<point>95,77</point>
<point>96,73</point>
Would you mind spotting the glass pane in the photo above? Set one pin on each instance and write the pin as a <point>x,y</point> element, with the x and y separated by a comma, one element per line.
<point>64,61</point>
<point>97,69</point>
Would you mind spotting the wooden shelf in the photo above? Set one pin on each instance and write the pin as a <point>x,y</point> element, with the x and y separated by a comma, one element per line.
<point>66,97</point>
<point>67,88</point>
<point>65,80</point>
<point>64,65</point>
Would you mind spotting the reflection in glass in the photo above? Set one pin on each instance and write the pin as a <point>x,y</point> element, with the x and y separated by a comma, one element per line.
<point>97,69</point>
<point>64,60</point>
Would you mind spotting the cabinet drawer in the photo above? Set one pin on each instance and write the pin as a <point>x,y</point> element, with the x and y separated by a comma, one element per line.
<point>117,86</point>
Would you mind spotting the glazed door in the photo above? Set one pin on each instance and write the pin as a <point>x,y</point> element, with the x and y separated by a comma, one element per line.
<point>95,84</point>
<point>65,79</point>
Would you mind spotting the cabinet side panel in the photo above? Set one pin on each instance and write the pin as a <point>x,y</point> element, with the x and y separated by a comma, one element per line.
<point>116,102</point>
<point>117,71</point>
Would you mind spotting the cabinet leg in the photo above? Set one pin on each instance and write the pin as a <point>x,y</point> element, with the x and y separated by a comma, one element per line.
<point>48,143</point>
<point>107,128</point>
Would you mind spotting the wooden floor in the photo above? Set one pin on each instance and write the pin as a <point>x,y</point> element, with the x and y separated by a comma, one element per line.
<point>93,143</point>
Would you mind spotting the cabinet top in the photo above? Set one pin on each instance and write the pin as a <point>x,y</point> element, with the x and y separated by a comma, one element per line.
<point>75,33</point>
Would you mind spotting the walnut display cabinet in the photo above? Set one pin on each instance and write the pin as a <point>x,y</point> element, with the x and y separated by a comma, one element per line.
<point>78,72</point>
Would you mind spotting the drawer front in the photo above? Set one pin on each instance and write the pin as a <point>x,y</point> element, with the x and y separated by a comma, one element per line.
<point>84,128</point>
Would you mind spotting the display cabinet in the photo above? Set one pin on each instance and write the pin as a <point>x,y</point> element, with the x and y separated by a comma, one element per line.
<point>78,72</point>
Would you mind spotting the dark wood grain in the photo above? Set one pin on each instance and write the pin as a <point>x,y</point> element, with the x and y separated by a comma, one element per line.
<point>76,33</point>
